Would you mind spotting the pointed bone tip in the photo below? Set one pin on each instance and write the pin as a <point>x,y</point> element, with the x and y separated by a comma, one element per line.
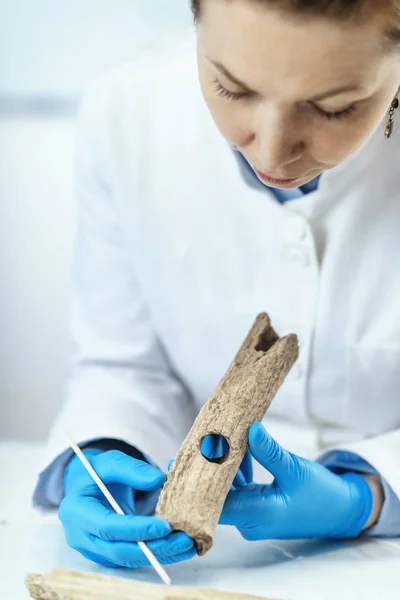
<point>263,316</point>
<point>291,344</point>
<point>291,339</point>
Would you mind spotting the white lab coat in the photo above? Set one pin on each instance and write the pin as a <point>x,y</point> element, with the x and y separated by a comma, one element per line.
<point>176,255</point>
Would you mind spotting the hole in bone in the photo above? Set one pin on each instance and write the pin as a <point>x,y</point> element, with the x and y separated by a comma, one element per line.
<point>214,448</point>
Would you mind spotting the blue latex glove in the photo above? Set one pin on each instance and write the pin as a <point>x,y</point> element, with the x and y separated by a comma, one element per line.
<point>305,500</point>
<point>93,528</point>
<point>245,474</point>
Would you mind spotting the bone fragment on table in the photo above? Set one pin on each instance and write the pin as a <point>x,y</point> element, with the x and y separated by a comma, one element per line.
<point>64,584</point>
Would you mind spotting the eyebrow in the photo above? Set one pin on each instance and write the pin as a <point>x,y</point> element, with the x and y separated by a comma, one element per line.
<point>323,96</point>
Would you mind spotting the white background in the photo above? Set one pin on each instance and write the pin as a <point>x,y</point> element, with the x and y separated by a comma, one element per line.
<point>48,50</point>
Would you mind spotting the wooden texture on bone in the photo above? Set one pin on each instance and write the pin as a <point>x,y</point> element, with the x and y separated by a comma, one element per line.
<point>63,584</point>
<point>195,491</point>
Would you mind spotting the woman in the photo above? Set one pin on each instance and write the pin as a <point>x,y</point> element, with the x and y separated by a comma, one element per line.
<point>184,235</point>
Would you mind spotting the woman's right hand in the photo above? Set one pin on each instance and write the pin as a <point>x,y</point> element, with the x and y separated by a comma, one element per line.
<point>93,528</point>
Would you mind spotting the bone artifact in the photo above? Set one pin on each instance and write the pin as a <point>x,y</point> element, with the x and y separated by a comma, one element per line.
<point>196,488</point>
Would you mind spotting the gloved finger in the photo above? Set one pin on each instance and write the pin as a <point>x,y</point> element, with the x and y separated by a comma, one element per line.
<point>124,495</point>
<point>97,559</point>
<point>245,474</point>
<point>239,481</point>
<point>242,507</point>
<point>270,454</point>
<point>117,467</point>
<point>238,507</point>
<point>124,553</point>
<point>171,462</point>
<point>247,467</point>
<point>89,514</point>
<point>166,560</point>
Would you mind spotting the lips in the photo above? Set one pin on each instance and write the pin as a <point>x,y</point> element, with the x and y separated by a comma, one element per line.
<point>270,179</point>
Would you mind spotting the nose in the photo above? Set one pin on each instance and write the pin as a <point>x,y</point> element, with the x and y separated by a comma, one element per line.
<point>278,142</point>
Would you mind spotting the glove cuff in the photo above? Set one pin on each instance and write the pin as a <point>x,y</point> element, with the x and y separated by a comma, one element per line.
<point>361,500</point>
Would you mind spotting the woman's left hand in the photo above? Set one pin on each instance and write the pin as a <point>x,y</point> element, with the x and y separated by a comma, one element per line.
<point>305,500</point>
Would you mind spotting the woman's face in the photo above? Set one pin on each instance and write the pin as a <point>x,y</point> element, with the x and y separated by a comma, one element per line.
<point>296,97</point>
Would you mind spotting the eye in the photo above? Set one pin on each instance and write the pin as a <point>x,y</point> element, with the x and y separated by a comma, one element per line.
<point>341,114</point>
<point>221,91</point>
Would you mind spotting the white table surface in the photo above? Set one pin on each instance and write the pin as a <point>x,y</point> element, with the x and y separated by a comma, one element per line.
<point>31,542</point>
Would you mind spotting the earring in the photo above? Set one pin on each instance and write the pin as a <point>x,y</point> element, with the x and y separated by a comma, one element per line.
<point>390,125</point>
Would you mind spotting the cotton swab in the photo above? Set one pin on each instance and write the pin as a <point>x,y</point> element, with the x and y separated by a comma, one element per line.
<point>148,553</point>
